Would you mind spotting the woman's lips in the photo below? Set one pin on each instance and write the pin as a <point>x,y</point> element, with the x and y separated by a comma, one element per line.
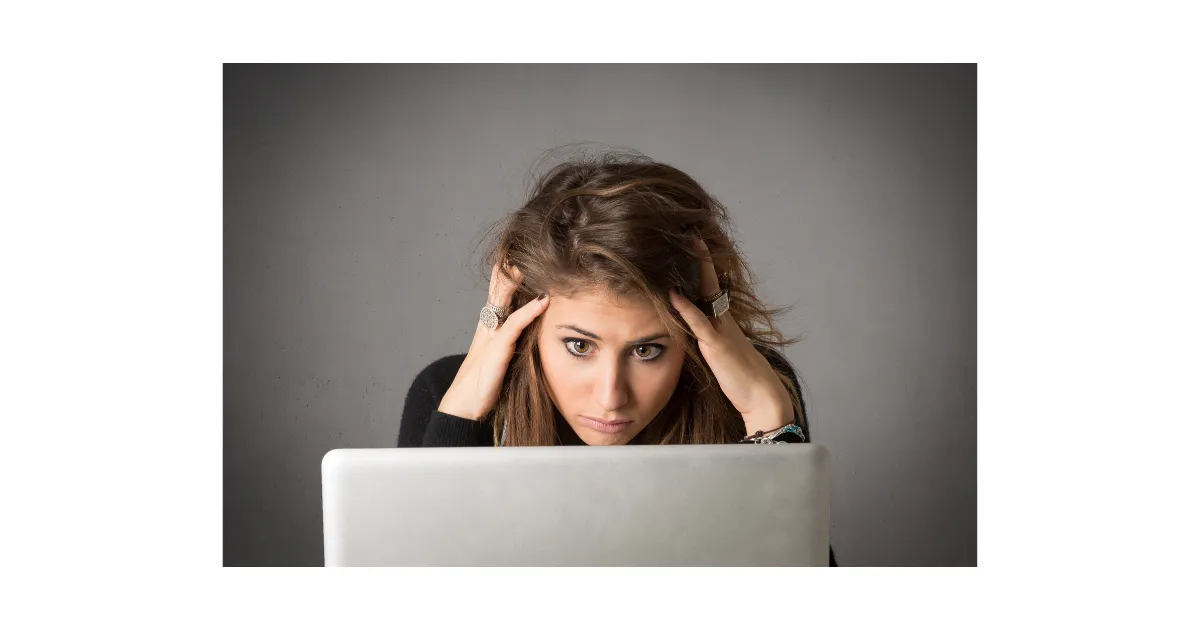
<point>606,427</point>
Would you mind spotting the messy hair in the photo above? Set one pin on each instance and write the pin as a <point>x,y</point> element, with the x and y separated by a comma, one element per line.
<point>622,223</point>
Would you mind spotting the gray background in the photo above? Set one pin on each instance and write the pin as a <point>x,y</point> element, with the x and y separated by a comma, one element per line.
<point>354,194</point>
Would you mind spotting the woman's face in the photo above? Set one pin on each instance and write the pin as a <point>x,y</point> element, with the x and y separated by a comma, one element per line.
<point>609,362</point>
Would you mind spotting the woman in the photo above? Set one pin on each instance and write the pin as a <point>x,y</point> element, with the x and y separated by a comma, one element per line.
<point>619,312</point>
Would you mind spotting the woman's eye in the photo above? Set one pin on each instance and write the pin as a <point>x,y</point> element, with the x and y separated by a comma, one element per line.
<point>580,349</point>
<point>647,352</point>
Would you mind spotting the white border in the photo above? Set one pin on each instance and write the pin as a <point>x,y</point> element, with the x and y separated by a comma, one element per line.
<point>112,258</point>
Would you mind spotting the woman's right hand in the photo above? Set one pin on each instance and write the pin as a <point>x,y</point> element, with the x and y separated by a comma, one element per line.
<point>476,388</point>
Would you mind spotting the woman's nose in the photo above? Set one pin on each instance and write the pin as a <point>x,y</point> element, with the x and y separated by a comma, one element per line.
<point>613,393</point>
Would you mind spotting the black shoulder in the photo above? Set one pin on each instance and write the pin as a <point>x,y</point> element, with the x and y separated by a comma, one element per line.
<point>440,373</point>
<point>424,397</point>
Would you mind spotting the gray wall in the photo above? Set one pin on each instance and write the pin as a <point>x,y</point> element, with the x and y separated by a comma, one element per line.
<point>353,195</point>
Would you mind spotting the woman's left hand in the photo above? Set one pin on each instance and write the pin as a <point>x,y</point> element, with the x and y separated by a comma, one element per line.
<point>745,376</point>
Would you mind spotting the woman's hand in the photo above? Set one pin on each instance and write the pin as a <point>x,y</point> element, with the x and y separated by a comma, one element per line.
<point>744,374</point>
<point>476,387</point>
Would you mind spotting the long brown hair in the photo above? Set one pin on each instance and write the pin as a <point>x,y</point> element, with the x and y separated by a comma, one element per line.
<point>623,223</point>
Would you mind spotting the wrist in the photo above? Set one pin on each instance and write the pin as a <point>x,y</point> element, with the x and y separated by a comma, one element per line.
<point>450,405</point>
<point>769,418</point>
<point>765,426</point>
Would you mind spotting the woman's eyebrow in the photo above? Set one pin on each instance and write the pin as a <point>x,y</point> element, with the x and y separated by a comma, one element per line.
<point>635,342</point>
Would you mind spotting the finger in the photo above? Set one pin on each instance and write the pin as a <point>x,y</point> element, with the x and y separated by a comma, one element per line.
<point>695,319</point>
<point>500,293</point>
<point>511,329</point>
<point>501,289</point>
<point>709,283</point>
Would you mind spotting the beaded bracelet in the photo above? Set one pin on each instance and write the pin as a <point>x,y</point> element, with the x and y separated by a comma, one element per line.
<point>768,437</point>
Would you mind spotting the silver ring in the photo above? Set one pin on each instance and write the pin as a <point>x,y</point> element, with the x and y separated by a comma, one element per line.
<point>492,316</point>
<point>715,307</point>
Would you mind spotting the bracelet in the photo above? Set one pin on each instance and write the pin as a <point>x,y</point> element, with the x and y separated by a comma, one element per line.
<point>768,437</point>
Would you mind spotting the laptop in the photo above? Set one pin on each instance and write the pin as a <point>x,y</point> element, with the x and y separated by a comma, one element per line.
<point>678,505</point>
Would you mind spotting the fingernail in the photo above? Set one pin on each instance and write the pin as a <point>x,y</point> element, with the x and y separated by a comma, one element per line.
<point>542,297</point>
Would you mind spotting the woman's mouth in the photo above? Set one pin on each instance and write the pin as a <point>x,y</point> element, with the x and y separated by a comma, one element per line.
<point>606,426</point>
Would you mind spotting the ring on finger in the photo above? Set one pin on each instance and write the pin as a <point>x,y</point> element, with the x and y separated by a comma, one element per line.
<point>717,304</point>
<point>492,316</point>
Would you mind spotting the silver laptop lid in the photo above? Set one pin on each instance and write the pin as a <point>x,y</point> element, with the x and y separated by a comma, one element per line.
<point>704,505</point>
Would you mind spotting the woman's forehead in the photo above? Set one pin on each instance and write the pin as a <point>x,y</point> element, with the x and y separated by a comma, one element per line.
<point>603,311</point>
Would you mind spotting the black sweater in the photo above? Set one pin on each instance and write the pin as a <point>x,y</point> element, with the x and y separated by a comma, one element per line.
<point>423,425</point>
